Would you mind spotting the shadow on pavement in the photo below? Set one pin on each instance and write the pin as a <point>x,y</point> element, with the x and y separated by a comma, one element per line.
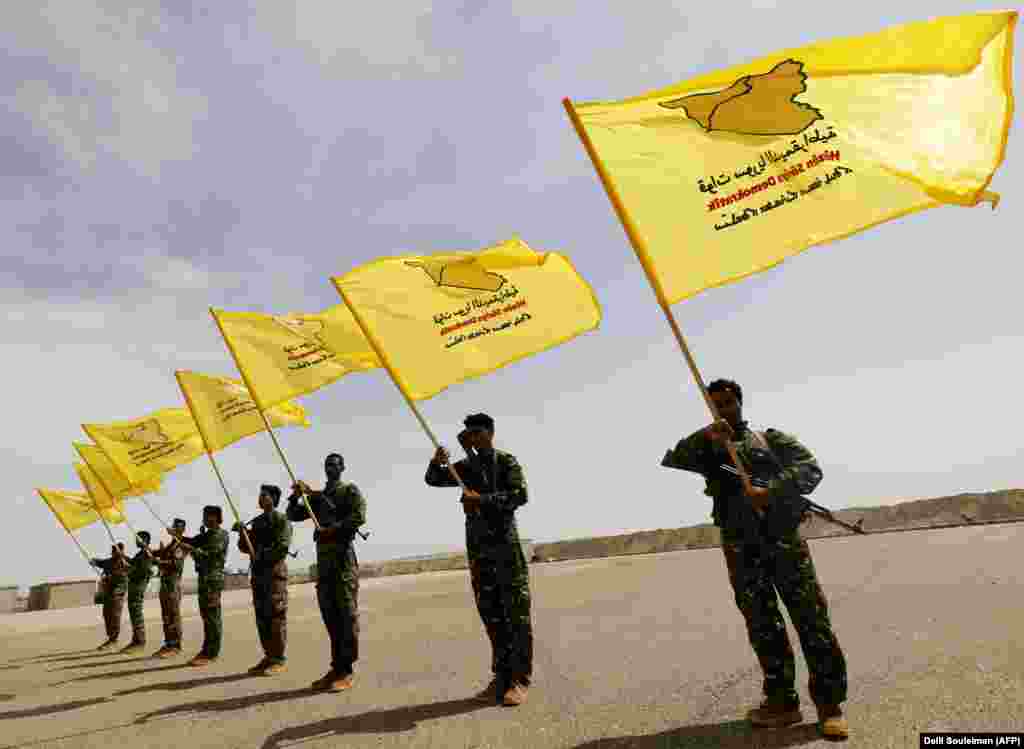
<point>103,663</point>
<point>10,668</point>
<point>729,735</point>
<point>396,720</point>
<point>66,658</point>
<point>232,703</point>
<point>120,674</point>
<point>33,712</point>
<point>175,686</point>
<point>45,656</point>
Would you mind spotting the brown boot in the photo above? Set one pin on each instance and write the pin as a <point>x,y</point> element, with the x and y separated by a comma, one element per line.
<point>515,695</point>
<point>201,660</point>
<point>132,648</point>
<point>489,694</point>
<point>108,645</point>
<point>273,668</point>
<point>775,713</point>
<point>832,722</point>
<point>169,652</point>
<point>258,668</point>
<point>340,683</point>
<point>324,681</point>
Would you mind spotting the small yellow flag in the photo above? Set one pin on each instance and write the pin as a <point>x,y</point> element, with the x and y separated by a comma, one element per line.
<point>75,510</point>
<point>441,319</point>
<point>284,356</point>
<point>730,173</point>
<point>225,413</point>
<point>111,507</point>
<point>111,479</point>
<point>142,449</point>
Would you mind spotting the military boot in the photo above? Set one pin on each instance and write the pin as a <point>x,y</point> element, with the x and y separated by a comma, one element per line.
<point>109,644</point>
<point>132,647</point>
<point>515,695</point>
<point>776,712</point>
<point>832,722</point>
<point>490,694</point>
<point>258,668</point>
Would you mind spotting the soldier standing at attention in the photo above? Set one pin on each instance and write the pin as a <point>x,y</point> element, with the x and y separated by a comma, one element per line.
<point>767,558</point>
<point>140,572</point>
<point>271,535</point>
<point>495,488</point>
<point>341,510</point>
<point>211,553</point>
<point>171,561</point>
<point>115,571</point>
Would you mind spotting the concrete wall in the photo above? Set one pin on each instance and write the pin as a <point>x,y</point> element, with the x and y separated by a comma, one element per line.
<point>8,599</point>
<point>62,595</point>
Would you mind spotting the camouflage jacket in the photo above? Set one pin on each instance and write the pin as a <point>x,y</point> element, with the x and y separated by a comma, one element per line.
<point>171,562</point>
<point>732,512</point>
<point>271,535</point>
<point>340,506</point>
<point>115,569</point>
<point>141,570</point>
<point>500,481</point>
<point>211,555</point>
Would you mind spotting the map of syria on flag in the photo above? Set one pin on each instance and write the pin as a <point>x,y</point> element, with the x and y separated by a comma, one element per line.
<point>142,449</point>
<point>730,173</point>
<point>225,412</point>
<point>441,319</point>
<point>285,356</point>
<point>109,477</point>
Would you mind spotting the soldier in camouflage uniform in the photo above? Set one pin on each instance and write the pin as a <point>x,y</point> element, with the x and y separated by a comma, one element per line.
<point>210,550</point>
<point>767,558</point>
<point>115,573</point>
<point>139,574</point>
<point>341,510</point>
<point>270,535</point>
<point>171,561</point>
<point>495,488</point>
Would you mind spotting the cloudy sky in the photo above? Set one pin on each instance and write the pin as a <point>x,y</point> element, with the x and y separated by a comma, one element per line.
<point>157,158</point>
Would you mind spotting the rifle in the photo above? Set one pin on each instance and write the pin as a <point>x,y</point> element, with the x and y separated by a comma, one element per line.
<point>809,506</point>
<point>237,528</point>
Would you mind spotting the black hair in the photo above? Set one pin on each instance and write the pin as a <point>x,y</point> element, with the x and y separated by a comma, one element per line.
<point>339,457</point>
<point>214,510</point>
<point>722,386</point>
<point>273,491</point>
<point>179,521</point>
<point>144,535</point>
<point>479,421</point>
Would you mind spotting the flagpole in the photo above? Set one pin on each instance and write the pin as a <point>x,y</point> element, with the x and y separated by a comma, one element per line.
<point>209,454</point>
<point>78,543</point>
<point>114,499</point>
<point>270,430</point>
<point>639,248</point>
<point>163,523</point>
<point>387,365</point>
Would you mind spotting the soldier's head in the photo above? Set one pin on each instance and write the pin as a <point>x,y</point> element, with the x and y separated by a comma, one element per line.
<point>270,497</point>
<point>479,432</point>
<point>120,546</point>
<point>334,464</point>
<point>213,516</point>
<point>142,539</point>
<point>178,526</point>
<point>728,398</point>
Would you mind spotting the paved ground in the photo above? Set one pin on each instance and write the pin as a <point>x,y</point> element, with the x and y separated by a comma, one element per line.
<point>645,651</point>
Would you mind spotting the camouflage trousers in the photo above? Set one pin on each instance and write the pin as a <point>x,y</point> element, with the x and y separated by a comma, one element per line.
<point>113,606</point>
<point>136,599</point>
<point>170,612</point>
<point>501,586</point>
<point>337,592</point>
<point>784,567</point>
<point>209,609</point>
<point>270,604</point>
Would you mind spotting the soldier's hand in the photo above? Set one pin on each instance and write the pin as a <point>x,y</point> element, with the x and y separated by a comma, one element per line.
<point>441,456</point>
<point>719,431</point>
<point>301,487</point>
<point>758,497</point>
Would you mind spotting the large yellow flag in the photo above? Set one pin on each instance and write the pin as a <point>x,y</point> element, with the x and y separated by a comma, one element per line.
<point>284,356</point>
<point>442,319</point>
<point>225,413</point>
<point>109,477</point>
<point>144,448</point>
<point>730,173</point>
<point>75,509</point>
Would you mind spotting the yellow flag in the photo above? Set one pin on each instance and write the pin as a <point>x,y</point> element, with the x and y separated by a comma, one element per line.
<point>442,319</point>
<point>111,479</point>
<point>283,356</point>
<point>142,449</point>
<point>101,500</point>
<point>730,173</point>
<point>225,413</point>
<point>75,510</point>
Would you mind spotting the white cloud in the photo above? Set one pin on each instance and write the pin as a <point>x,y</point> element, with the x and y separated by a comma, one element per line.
<point>152,116</point>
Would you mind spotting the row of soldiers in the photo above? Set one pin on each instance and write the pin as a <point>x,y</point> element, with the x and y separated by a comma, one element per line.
<point>765,557</point>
